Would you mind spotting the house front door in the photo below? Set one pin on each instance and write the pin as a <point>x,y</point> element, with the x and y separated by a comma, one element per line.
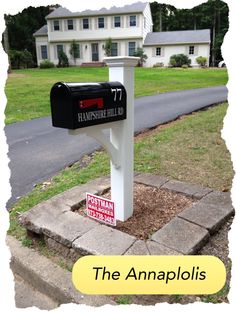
<point>95,55</point>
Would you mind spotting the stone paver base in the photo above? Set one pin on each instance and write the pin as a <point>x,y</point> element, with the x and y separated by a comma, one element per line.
<point>185,234</point>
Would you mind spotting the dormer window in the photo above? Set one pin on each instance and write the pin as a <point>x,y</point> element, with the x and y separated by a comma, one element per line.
<point>70,24</point>
<point>101,22</point>
<point>132,20</point>
<point>56,25</point>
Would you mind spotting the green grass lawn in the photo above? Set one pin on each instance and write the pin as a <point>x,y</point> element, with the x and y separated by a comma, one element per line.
<point>28,90</point>
<point>189,149</point>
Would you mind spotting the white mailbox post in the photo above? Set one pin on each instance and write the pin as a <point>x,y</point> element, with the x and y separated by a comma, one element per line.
<point>122,137</point>
<point>120,145</point>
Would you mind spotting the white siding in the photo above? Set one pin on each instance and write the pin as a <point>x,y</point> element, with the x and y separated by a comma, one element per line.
<point>168,51</point>
<point>94,33</point>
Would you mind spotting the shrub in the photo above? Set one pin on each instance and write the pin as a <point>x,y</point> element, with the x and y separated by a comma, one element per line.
<point>158,65</point>
<point>179,60</point>
<point>46,64</point>
<point>143,57</point>
<point>62,60</point>
<point>184,66</point>
<point>21,59</point>
<point>201,61</point>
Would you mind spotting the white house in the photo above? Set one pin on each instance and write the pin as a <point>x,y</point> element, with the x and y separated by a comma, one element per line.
<point>129,27</point>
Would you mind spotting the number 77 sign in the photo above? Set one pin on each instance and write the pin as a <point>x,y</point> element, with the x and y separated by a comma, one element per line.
<point>101,209</point>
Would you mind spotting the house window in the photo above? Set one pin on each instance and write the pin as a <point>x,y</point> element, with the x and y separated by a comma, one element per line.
<point>70,24</point>
<point>85,23</point>
<point>117,21</point>
<point>158,51</point>
<point>132,20</point>
<point>44,52</point>
<point>101,22</point>
<point>59,49</point>
<point>56,25</point>
<point>191,50</point>
<point>114,49</point>
<point>132,47</point>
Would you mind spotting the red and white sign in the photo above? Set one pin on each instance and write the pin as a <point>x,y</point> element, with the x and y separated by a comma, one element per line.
<point>101,209</point>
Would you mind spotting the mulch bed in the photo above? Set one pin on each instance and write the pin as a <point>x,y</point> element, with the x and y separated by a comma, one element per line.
<point>153,208</point>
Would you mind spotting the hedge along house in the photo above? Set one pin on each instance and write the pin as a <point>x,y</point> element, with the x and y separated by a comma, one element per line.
<point>129,27</point>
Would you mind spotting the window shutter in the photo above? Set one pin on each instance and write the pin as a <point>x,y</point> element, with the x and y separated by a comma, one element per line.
<point>80,24</point>
<point>118,49</point>
<point>195,50</point>
<point>55,52</point>
<point>60,25</point>
<point>65,25</point>
<point>105,22</point>
<point>154,51</point>
<point>127,21</point>
<point>80,51</point>
<point>122,21</point>
<point>95,23</point>
<point>112,21</point>
<point>126,48</point>
<point>39,54</point>
<point>75,24</point>
<point>162,51</point>
<point>137,20</point>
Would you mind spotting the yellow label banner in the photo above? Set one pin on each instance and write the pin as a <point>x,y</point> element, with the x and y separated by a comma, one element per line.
<point>149,274</point>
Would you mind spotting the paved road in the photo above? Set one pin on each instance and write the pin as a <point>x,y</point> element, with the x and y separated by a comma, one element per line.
<point>38,151</point>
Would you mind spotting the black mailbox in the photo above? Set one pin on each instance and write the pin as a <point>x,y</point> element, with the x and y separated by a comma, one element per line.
<point>78,105</point>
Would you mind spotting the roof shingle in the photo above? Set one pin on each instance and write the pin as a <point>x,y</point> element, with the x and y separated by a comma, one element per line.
<point>43,31</point>
<point>129,8</point>
<point>178,37</point>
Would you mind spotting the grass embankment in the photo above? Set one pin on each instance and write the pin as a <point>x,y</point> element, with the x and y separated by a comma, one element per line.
<point>28,90</point>
<point>189,149</point>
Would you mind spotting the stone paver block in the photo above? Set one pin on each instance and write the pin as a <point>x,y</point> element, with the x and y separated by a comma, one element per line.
<point>75,196</point>
<point>138,248</point>
<point>207,215</point>
<point>219,199</point>
<point>188,189</point>
<point>42,215</point>
<point>103,240</point>
<point>150,179</point>
<point>181,236</point>
<point>69,226</point>
<point>159,249</point>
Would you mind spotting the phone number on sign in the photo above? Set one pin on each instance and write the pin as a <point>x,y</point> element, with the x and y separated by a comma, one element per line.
<point>102,217</point>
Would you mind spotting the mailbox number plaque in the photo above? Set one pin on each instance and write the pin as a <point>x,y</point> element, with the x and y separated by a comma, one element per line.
<point>78,105</point>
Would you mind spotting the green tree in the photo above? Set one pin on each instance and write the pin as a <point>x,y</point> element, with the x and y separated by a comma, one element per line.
<point>140,53</point>
<point>75,50</point>
<point>62,60</point>
<point>108,47</point>
<point>212,15</point>
<point>23,25</point>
